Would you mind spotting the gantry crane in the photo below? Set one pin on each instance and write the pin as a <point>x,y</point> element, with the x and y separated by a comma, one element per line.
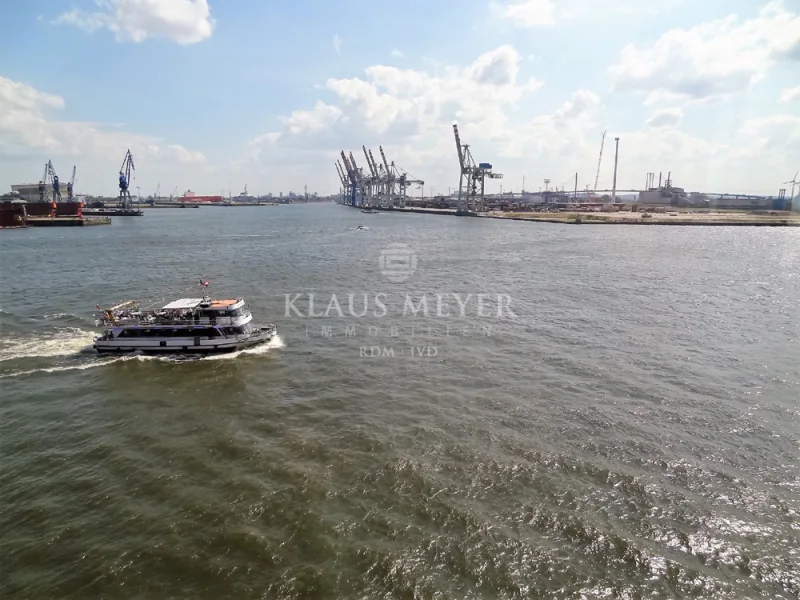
<point>353,177</point>
<point>373,181</point>
<point>381,177</point>
<point>391,181</point>
<point>345,182</point>
<point>360,181</point>
<point>470,199</point>
<point>404,180</point>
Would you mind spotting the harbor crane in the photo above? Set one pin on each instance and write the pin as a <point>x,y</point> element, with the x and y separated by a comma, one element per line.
<point>383,179</point>
<point>794,182</point>
<point>353,177</point>
<point>599,162</point>
<point>374,181</point>
<point>473,176</point>
<point>391,179</point>
<point>344,180</point>
<point>43,183</point>
<point>125,177</point>
<point>404,181</point>
<point>360,181</point>
<point>71,185</point>
<point>51,180</point>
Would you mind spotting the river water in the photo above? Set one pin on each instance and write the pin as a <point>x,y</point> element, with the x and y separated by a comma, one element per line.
<point>616,418</point>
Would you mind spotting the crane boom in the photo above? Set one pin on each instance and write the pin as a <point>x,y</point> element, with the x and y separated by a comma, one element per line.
<point>599,161</point>
<point>458,146</point>
<point>369,162</point>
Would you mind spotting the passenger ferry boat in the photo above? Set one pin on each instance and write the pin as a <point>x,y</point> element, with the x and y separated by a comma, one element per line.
<point>187,325</point>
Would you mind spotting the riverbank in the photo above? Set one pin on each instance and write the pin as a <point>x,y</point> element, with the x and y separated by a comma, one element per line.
<point>715,218</point>
<point>728,219</point>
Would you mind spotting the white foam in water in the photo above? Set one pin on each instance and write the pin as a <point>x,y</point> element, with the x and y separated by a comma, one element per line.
<point>64,342</point>
<point>77,345</point>
<point>273,344</point>
<point>82,367</point>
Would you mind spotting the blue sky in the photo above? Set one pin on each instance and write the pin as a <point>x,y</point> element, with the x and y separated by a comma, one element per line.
<point>214,95</point>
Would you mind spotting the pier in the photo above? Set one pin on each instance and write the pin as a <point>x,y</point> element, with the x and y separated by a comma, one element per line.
<point>67,221</point>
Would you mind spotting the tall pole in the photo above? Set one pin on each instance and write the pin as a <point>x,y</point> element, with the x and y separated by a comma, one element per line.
<point>523,184</point>
<point>616,161</point>
<point>576,186</point>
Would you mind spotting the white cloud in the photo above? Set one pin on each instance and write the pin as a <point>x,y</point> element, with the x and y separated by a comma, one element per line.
<point>710,60</point>
<point>790,94</point>
<point>396,53</point>
<point>410,113</point>
<point>669,117</point>
<point>531,13</point>
<point>545,13</point>
<point>337,44</point>
<point>28,138</point>
<point>403,103</point>
<point>182,21</point>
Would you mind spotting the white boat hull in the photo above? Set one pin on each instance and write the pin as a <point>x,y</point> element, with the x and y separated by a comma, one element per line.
<point>185,345</point>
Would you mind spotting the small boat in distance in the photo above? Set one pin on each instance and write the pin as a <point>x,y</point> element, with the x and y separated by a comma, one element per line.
<point>186,325</point>
<point>362,227</point>
<point>370,211</point>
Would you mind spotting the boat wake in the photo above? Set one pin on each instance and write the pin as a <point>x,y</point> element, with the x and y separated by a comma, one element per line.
<point>62,341</point>
<point>259,350</point>
<point>73,346</point>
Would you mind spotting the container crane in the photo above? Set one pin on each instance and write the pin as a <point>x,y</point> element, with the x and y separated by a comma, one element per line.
<point>353,177</point>
<point>391,180</point>
<point>344,180</point>
<point>125,178</point>
<point>373,182</point>
<point>382,178</point>
<point>404,180</point>
<point>359,179</point>
<point>470,199</point>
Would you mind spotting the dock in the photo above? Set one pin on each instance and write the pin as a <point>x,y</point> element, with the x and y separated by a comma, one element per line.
<point>67,221</point>
<point>112,212</point>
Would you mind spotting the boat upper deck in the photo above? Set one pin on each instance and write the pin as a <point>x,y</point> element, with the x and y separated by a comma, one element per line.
<point>204,303</point>
<point>184,312</point>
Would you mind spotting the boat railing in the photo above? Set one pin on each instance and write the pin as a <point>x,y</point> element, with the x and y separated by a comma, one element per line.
<point>162,321</point>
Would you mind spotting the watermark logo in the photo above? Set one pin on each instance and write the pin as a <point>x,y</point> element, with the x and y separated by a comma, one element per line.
<point>397,262</point>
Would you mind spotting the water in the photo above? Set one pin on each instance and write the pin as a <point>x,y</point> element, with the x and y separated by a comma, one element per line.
<point>632,432</point>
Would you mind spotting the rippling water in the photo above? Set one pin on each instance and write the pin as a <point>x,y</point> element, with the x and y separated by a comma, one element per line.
<point>633,431</point>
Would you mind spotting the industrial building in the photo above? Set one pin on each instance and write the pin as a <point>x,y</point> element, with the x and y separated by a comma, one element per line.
<point>30,191</point>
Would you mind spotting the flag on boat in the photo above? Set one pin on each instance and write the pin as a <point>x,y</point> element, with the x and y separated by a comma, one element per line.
<point>204,283</point>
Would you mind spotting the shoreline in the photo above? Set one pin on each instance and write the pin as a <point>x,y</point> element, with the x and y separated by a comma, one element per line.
<point>712,219</point>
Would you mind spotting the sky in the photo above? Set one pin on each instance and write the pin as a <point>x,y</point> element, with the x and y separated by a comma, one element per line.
<point>213,96</point>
